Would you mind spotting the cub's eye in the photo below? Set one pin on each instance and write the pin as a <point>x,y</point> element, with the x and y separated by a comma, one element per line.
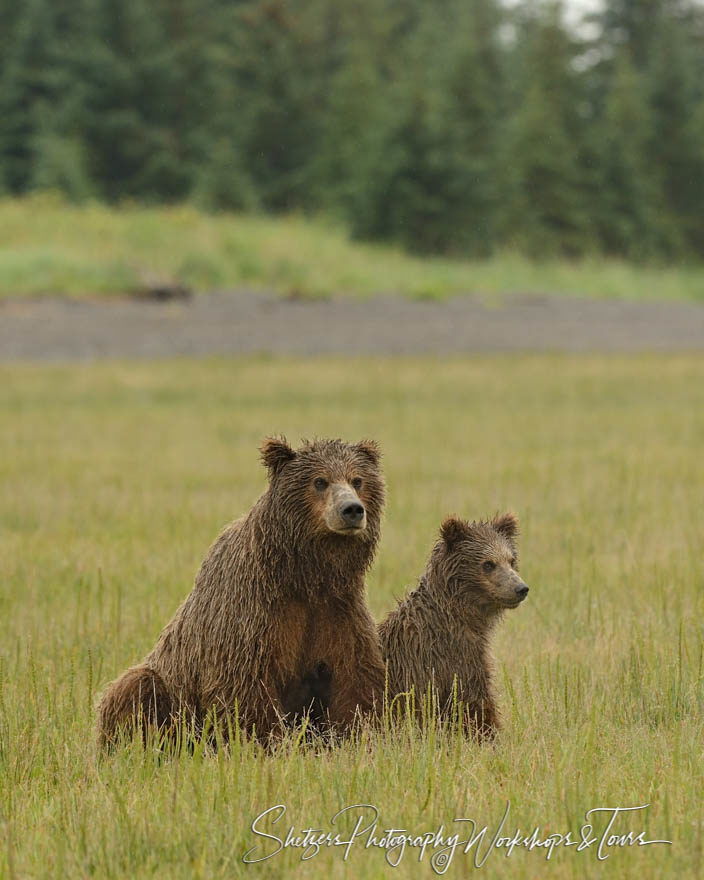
<point>488,566</point>
<point>513,562</point>
<point>320,484</point>
<point>357,483</point>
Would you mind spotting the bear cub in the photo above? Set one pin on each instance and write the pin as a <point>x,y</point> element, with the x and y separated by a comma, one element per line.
<point>439,635</point>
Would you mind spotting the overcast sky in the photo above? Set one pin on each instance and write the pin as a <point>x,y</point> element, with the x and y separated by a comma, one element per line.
<point>574,9</point>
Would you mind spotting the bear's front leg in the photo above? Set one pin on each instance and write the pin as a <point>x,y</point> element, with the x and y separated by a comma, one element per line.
<point>253,707</point>
<point>358,678</point>
<point>359,693</point>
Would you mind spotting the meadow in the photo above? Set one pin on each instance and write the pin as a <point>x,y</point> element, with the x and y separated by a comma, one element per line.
<point>51,247</point>
<point>115,478</point>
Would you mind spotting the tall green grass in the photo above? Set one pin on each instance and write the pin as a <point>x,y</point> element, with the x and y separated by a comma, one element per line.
<point>48,246</point>
<point>114,479</point>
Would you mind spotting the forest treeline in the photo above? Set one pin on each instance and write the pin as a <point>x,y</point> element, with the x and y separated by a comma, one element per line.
<point>454,126</point>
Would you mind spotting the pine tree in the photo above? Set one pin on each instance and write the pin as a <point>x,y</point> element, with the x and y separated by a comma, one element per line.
<point>25,85</point>
<point>628,215</point>
<point>355,116</point>
<point>545,211</point>
<point>429,164</point>
<point>472,104</point>
<point>691,197</point>
<point>282,54</point>
<point>676,139</point>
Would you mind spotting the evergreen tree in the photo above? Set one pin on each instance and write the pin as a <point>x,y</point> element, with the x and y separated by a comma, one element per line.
<point>691,184</point>
<point>430,169</point>
<point>59,160</point>
<point>281,59</point>
<point>629,216</point>
<point>131,85</point>
<point>472,105</point>
<point>9,11</point>
<point>545,211</point>
<point>675,147</point>
<point>356,110</point>
<point>25,85</point>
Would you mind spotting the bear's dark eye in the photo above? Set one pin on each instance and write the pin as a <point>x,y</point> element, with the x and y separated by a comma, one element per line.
<point>489,566</point>
<point>320,484</point>
<point>357,483</point>
<point>513,562</point>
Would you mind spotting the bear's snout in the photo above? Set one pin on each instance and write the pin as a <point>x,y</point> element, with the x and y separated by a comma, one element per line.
<point>522,591</point>
<point>345,512</point>
<point>353,514</point>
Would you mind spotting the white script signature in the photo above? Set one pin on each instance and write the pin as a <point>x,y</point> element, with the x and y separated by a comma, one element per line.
<point>438,846</point>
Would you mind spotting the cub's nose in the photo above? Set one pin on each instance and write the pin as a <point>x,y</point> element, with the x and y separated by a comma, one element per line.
<point>352,514</point>
<point>522,591</point>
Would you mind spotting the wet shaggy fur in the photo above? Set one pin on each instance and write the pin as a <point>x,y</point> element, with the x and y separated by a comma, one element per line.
<point>439,635</point>
<point>278,616</point>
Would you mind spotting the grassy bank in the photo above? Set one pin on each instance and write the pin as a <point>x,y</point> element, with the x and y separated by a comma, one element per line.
<point>114,479</point>
<point>50,247</point>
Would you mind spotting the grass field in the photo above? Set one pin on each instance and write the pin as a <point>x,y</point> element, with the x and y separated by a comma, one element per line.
<point>50,247</point>
<point>115,478</point>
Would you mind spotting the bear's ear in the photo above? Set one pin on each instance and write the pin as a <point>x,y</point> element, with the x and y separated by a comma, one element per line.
<point>506,525</point>
<point>452,530</point>
<point>370,449</point>
<point>275,453</point>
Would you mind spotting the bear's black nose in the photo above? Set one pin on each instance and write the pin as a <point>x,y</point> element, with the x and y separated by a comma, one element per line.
<point>522,591</point>
<point>352,513</point>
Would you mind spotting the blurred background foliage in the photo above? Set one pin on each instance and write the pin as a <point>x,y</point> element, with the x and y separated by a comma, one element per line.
<point>457,127</point>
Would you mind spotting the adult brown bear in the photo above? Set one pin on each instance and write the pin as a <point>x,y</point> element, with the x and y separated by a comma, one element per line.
<point>280,595</point>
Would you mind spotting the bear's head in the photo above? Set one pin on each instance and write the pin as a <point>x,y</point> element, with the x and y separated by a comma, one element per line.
<point>327,490</point>
<point>477,562</point>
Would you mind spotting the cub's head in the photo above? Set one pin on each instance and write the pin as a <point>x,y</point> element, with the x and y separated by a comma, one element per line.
<point>479,561</point>
<point>327,488</point>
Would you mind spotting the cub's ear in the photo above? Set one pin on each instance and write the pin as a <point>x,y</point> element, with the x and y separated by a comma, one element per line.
<point>506,525</point>
<point>452,530</point>
<point>275,453</point>
<point>370,449</point>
